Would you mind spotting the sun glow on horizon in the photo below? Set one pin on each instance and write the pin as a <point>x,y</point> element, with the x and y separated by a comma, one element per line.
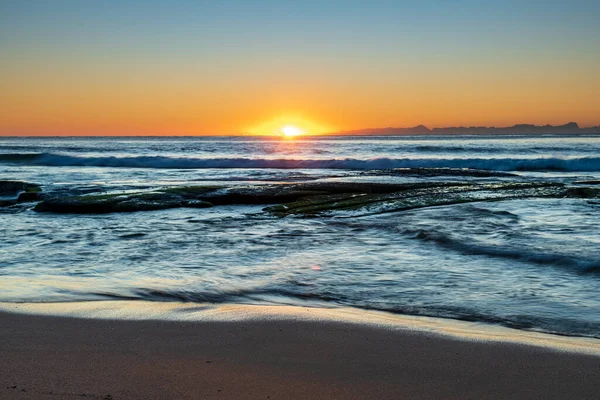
<point>289,126</point>
<point>289,131</point>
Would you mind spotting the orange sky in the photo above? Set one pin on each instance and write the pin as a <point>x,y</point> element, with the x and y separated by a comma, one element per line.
<point>95,104</point>
<point>114,78</point>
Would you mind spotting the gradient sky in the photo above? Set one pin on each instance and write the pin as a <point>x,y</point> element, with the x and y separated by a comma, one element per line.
<point>244,66</point>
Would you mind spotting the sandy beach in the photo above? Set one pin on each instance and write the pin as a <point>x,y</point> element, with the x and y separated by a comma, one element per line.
<point>58,357</point>
<point>299,200</point>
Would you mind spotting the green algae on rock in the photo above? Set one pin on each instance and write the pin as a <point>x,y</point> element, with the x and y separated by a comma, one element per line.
<point>314,197</point>
<point>367,204</point>
<point>205,196</point>
<point>173,197</point>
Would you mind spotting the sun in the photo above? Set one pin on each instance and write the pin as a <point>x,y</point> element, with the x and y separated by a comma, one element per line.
<point>289,131</point>
<point>288,126</point>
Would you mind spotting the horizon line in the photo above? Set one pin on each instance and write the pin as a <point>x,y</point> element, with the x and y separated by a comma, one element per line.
<point>420,130</point>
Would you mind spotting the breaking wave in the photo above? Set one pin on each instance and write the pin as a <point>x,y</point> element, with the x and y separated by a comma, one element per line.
<point>290,293</point>
<point>163,162</point>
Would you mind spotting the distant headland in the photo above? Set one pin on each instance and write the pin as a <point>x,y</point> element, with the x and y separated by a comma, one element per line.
<point>519,129</point>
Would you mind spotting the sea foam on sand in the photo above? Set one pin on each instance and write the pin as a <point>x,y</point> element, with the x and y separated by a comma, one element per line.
<point>206,312</point>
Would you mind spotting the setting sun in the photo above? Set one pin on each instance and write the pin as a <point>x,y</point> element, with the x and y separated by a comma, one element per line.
<point>289,126</point>
<point>291,131</point>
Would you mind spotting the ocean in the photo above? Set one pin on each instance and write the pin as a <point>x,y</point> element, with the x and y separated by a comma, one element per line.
<point>527,262</point>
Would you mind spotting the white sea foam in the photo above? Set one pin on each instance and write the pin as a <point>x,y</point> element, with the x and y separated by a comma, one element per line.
<point>164,162</point>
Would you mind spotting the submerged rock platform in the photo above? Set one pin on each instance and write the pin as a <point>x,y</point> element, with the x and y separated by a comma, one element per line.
<point>119,202</point>
<point>364,204</point>
<point>355,198</point>
<point>429,172</point>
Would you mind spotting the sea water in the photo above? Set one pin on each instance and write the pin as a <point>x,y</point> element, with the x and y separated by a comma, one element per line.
<point>526,263</point>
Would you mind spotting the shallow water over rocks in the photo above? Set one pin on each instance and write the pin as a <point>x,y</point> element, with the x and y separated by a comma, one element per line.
<point>516,248</point>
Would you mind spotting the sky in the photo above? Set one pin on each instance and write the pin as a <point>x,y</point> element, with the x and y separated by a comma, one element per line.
<point>252,66</point>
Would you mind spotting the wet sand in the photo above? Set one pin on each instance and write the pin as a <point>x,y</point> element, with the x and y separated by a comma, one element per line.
<point>50,357</point>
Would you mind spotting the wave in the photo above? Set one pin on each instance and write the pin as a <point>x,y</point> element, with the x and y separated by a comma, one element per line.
<point>494,150</point>
<point>163,162</point>
<point>291,294</point>
<point>574,263</point>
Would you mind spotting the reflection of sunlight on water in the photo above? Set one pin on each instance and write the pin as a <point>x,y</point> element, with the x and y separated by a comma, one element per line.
<point>288,148</point>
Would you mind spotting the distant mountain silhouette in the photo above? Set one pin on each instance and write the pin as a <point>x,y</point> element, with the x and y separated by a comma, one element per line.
<point>416,130</point>
<point>519,129</point>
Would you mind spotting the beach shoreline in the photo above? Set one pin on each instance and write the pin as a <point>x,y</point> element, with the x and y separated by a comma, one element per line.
<point>124,351</point>
<point>142,310</point>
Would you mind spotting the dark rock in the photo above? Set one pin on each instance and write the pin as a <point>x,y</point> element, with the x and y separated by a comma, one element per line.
<point>28,196</point>
<point>13,192</point>
<point>117,202</point>
<point>314,198</point>
<point>583,192</point>
<point>591,182</point>
<point>478,173</point>
<point>366,204</point>
<point>13,188</point>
